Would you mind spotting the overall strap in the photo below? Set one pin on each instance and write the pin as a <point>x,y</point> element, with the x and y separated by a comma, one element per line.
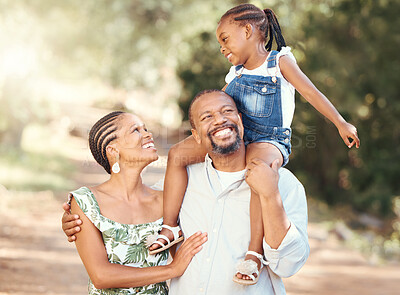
<point>271,61</point>
<point>239,70</point>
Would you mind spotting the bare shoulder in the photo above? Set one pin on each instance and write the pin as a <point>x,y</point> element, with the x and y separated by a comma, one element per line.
<point>286,62</point>
<point>156,195</point>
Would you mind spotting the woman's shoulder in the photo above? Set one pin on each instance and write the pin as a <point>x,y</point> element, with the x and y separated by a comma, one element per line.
<point>85,199</point>
<point>156,190</point>
<point>82,193</point>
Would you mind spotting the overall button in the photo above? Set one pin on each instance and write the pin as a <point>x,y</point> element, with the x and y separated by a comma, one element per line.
<point>264,89</point>
<point>287,132</point>
<point>286,140</point>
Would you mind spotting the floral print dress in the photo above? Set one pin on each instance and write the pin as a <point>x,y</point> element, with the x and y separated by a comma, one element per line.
<point>125,244</point>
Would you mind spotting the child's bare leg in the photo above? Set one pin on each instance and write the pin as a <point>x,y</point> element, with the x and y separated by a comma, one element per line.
<point>268,153</point>
<point>180,155</point>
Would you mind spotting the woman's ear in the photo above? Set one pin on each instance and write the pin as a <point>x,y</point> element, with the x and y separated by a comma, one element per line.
<point>112,151</point>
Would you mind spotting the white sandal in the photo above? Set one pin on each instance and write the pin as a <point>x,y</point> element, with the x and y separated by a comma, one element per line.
<point>248,267</point>
<point>177,239</point>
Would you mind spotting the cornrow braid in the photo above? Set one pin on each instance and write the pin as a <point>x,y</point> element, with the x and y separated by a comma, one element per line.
<point>264,20</point>
<point>100,135</point>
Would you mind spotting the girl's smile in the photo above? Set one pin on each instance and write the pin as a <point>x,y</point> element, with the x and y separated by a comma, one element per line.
<point>233,41</point>
<point>240,44</point>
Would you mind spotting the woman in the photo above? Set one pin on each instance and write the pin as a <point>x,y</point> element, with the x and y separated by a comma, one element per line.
<point>121,215</point>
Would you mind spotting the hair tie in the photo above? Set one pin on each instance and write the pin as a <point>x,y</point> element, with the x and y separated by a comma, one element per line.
<point>268,12</point>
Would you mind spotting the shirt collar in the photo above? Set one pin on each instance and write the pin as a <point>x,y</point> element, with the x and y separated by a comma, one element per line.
<point>214,179</point>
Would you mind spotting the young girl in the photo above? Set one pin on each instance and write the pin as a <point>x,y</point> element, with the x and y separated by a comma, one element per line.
<point>262,83</point>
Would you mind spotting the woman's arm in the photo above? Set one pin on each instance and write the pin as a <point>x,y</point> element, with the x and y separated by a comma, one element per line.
<point>292,73</point>
<point>104,274</point>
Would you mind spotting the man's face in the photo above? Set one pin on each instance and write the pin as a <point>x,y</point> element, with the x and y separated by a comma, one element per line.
<point>218,125</point>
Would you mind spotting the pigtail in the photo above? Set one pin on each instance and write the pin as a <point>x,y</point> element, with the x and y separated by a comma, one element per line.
<point>265,20</point>
<point>273,31</point>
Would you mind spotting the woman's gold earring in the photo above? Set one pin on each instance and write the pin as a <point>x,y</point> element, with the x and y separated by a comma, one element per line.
<point>115,168</point>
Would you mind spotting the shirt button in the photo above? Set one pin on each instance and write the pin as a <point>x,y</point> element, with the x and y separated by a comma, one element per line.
<point>219,201</point>
<point>208,259</point>
<point>214,230</point>
<point>201,289</point>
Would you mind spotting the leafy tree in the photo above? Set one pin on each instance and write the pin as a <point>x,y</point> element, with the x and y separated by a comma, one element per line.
<point>350,52</point>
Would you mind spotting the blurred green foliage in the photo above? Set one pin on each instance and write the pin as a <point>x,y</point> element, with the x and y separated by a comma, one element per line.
<point>35,171</point>
<point>351,54</point>
<point>348,48</point>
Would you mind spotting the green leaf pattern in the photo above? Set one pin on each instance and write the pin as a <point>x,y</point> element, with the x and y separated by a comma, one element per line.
<point>125,244</point>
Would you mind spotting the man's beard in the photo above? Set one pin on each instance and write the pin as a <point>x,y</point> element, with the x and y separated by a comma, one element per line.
<point>229,149</point>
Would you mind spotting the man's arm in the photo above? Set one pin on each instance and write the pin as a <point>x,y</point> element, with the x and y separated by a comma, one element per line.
<point>70,223</point>
<point>284,218</point>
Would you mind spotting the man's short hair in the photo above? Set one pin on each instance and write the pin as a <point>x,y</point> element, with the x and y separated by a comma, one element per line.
<point>198,95</point>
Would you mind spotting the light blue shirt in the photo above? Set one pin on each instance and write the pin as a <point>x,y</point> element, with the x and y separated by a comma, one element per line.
<point>224,215</point>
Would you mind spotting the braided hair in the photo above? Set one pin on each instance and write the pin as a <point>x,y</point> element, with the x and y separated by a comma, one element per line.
<point>265,20</point>
<point>100,135</point>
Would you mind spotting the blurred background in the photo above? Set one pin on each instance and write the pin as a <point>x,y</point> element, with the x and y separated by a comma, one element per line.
<point>64,64</point>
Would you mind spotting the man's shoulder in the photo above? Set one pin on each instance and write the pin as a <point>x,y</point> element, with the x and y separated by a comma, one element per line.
<point>288,181</point>
<point>287,175</point>
<point>195,168</point>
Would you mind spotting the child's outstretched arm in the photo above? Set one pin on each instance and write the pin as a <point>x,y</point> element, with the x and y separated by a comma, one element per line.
<point>306,88</point>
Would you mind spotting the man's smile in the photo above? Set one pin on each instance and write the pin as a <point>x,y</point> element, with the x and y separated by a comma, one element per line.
<point>222,133</point>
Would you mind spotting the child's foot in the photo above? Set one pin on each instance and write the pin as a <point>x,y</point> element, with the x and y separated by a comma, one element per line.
<point>249,269</point>
<point>168,237</point>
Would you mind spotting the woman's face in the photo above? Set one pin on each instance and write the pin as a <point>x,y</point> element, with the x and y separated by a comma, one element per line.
<point>134,143</point>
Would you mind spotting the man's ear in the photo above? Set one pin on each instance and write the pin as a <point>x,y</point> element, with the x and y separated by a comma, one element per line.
<point>240,125</point>
<point>196,136</point>
<point>249,30</point>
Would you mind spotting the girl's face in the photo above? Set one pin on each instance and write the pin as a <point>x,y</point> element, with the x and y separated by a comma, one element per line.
<point>233,40</point>
<point>134,143</point>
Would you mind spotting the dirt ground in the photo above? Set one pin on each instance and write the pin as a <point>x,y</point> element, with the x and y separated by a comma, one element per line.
<point>35,257</point>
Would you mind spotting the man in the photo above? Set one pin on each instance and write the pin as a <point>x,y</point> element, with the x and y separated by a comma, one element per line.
<point>217,201</point>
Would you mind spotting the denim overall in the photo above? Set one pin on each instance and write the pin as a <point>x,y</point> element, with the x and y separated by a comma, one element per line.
<point>258,98</point>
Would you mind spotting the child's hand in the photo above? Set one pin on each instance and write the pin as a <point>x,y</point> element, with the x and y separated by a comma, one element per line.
<point>347,131</point>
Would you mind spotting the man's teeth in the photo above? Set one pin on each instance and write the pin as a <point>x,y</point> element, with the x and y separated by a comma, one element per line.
<point>147,145</point>
<point>229,55</point>
<point>223,132</point>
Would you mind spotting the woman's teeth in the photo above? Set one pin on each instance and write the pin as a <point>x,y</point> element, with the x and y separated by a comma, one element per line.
<point>148,145</point>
